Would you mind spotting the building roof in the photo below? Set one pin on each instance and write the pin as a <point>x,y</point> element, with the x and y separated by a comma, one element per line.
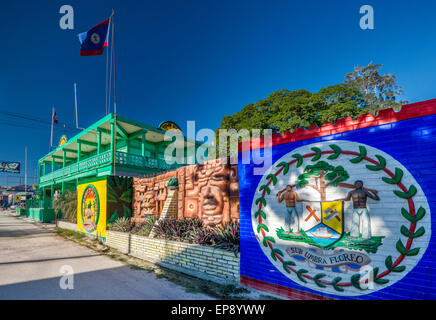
<point>89,137</point>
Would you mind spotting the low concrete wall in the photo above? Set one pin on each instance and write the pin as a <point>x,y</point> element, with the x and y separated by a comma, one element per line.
<point>21,211</point>
<point>42,215</point>
<point>202,262</point>
<point>67,225</point>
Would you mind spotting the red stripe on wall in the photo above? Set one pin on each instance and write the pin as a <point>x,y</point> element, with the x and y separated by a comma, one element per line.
<point>280,290</point>
<point>409,111</point>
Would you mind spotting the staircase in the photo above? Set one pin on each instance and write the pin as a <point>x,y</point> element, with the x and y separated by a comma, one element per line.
<point>169,210</point>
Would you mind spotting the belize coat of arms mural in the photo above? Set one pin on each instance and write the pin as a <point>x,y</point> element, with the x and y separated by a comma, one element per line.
<point>341,217</point>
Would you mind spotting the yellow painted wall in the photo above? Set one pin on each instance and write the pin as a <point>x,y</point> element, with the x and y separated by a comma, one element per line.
<point>100,227</point>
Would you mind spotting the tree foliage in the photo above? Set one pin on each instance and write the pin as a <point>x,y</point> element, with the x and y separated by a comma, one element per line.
<point>380,90</point>
<point>364,90</point>
<point>286,110</point>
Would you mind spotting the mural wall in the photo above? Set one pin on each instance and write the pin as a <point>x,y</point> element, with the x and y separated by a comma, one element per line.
<point>91,207</point>
<point>119,198</point>
<point>102,201</point>
<point>208,191</point>
<point>345,211</point>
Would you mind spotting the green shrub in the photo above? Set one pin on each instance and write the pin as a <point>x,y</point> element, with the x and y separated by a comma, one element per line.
<point>177,230</point>
<point>203,236</point>
<point>194,231</point>
<point>144,228</point>
<point>66,205</point>
<point>228,237</point>
<point>121,225</point>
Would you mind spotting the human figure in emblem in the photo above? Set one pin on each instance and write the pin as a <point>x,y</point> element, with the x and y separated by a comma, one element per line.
<point>292,219</point>
<point>360,212</point>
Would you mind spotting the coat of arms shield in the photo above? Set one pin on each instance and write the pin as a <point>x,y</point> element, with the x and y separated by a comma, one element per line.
<point>323,222</point>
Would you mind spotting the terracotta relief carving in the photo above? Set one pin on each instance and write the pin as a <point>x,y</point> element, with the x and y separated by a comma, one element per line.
<point>209,191</point>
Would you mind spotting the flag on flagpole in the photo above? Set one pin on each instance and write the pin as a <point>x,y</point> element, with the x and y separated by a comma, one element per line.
<point>53,119</point>
<point>94,40</point>
<point>54,116</point>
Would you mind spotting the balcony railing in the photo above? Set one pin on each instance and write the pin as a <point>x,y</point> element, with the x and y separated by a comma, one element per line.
<point>76,168</point>
<point>122,158</point>
<point>136,161</point>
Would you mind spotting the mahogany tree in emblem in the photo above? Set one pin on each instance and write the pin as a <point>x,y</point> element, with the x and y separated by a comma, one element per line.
<point>324,176</point>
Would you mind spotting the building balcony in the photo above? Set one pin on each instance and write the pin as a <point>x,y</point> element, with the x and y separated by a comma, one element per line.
<point>102,164</point>
<point>139,150</point>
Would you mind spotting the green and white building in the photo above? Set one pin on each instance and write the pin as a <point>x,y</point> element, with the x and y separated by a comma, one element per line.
<point>113,146</point>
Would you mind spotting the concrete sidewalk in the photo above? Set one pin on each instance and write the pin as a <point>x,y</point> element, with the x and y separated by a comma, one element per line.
<point>31,258</point>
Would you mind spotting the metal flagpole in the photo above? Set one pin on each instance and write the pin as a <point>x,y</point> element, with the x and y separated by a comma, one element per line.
<point>51,135</point>
<point>110,68</point>
<point>113,50</point>
<point>107,67</point>
<point>75,104</point>
<point>107,63</point>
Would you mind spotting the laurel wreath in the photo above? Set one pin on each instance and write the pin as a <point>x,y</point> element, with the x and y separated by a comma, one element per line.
<point>411,215</point>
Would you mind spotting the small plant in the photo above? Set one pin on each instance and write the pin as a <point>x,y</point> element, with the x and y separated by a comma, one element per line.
<point>203,236</point>
<point>121,225</point>
<point>173,182</point>
<point>228,237</point>
<point>194,231</point>
<point>144,228</point>
<point>177,230</point>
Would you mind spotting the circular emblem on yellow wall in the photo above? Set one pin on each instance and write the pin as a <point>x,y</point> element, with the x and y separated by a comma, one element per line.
<point>341,217</point>
<point>90,208</point>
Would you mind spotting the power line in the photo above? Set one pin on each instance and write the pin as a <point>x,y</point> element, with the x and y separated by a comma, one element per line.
<point>23,116</point>
<point>32,119</point>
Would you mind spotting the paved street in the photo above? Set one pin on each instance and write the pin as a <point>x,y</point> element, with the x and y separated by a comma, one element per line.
<point>32,256</point>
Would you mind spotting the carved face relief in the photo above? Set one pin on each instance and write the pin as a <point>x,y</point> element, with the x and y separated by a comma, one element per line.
<point>213,184</point>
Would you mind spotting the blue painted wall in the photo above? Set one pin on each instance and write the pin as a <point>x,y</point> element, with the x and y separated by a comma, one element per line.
<point>411,142</point>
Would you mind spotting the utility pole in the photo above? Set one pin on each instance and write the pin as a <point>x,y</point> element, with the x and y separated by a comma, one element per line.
<point>25,172</point>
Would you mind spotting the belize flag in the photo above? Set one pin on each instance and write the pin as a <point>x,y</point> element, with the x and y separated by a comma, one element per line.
<point>94,41</point>
<point>54,118</point>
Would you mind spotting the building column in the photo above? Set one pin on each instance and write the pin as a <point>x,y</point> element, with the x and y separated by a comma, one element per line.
<point>113,146</point>
<point>112,136</point>
<point>98,142</point>
<point>52,164</point>
<point>64,158</point>
<point>38,173</point>
<point>79,148</point>
<point>144,142</point>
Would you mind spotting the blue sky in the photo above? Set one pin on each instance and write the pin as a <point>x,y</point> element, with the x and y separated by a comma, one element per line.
<point>197,60</point>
